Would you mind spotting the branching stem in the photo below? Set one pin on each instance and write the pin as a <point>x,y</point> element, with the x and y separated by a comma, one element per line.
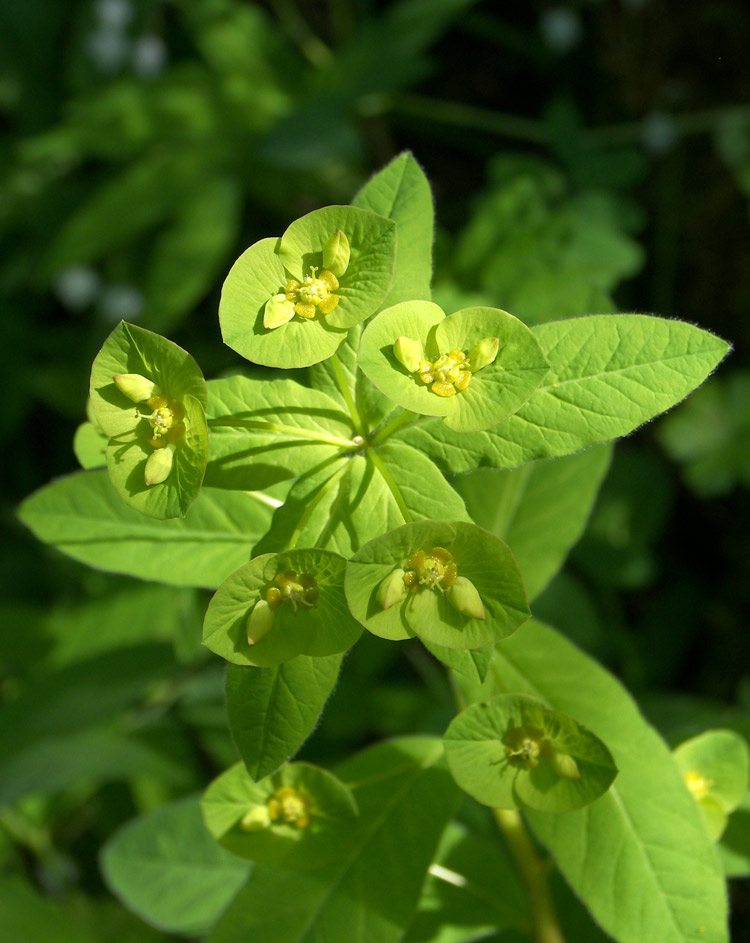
<point>404,418</point>
<point>381,466</point>
<point>346,393</point>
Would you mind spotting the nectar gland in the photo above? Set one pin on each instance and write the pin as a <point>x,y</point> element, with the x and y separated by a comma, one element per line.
<point>289,806</point>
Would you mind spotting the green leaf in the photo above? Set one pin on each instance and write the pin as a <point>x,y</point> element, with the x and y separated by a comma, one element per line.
<point>265,269</point>
<point>90,446</point>
<point>30,917</point>
<point>309,834</point>
<point>472,890</point>
<point>496,390</point>
<point>401,192</point>
<point>540,510</point>
<point>640,857</point>
<point>166,867</point>
<point>47,767</point>
<point>511,752</point>
<point>133,350</point>
<point>478,556</point>
<point>324,628</point>
<point>189,255</point>
<point>344,504</point>
<point>369,895</point>
<point>272,711</point>
<point>265,431</point>
<point>474,663</point>
<point>715,767</point>
<point>734,848</point>
<point>83,516</point>
<point>611,373</point>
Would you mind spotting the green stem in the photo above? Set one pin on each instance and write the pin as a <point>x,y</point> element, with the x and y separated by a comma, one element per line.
<point>280,429</point>
<point>314,502</point>
<point>404,418</point>
<point>381,466</point>
<point>338,371</point>
<point>533,872</point>
<point>313,49</point>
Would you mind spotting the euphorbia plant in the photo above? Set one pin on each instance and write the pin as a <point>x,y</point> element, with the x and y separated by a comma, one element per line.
<point>330,507</point>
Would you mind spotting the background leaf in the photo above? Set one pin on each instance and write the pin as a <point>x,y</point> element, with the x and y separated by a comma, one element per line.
<point>540,510</point>
<point>167,868</point>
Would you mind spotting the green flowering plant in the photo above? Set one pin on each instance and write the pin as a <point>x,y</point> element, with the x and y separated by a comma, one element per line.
<point>422,480</point>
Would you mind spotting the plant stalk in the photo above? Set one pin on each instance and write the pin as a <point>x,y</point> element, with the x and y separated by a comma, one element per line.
<point>533,873</point>
<point>280,429</point>
<point>345,392</point>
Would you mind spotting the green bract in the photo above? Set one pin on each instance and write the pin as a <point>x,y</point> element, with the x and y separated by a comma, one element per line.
<point>317,623</point>
<point>432,612</point>
<point>715,767</point>
<point>513,752</point>
<point>267,270</point>
<point>158,445</point>
<point>302,814</point>
<point>497,385</point>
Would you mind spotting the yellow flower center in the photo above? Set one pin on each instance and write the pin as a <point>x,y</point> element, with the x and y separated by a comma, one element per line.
<point>448,375</point>
<point>523,746</point>
<point>165,421</point>
<point>313,293</point>
<point>698,785</point>
<point>433,570</point>
<point>288,805</point>
<point>294,590</point>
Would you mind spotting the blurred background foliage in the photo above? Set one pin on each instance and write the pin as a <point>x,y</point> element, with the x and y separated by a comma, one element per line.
<point>585,157</point>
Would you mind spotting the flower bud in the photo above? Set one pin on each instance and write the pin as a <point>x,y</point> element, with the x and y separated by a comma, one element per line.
<point>408,353</point>
<point>336,253</point>
<point>159,465</point>
<point>463,596</point>
<point>392,590</point>
<point>259,622</point>
<point>278,311</point>
<point>256,819</point>
<point>484,353</point>
<point>136,387</point>
<point>564,765</point>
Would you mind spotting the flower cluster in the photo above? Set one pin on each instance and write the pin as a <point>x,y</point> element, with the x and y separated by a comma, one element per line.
<point>449,373</point>
<point>167,423</point>
<point>432,571</point>
<point>315,293</point>
<point>289,589</point>
<point>524,746</point>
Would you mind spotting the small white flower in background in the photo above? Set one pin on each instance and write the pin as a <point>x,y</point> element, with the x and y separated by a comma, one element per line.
<point>116,14</point>
<point>108,49</point>
<point>658,132</point>
<point>560,28</point>
<point>149,56</point>
<point>77,287</point>
<point>121,303</point>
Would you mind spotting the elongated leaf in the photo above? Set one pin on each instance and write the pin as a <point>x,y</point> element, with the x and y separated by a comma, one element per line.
<point>343,512</point>
<point>27,915</point>
<point>253,425</point>
<point>401,192</point>
<point>167,868</point>
<point>640,857</point>
<point>272,711</point>
<point>188,257</point>
<point>48,766</point>
<point>371,894</point>
<point>540,510</point>
<point>472,890</point>
<point>82,694</point>
<point>610,374</point>
<point>83,516</point>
